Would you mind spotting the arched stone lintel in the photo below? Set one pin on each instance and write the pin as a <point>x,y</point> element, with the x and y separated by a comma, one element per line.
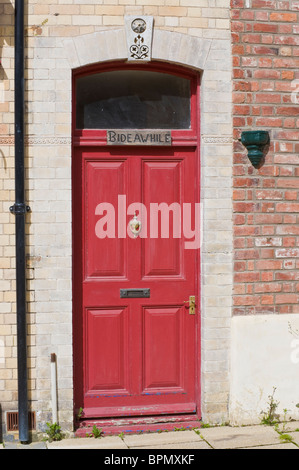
<point>103,46</point>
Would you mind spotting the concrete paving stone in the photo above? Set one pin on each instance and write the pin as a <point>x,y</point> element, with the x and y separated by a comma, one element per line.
<point>290,426</point>
<point>226,437</point>
<point>30,446</point>
<point>109,442</point>
<point>179,445</point>
<point>275,446</point>
<point>164,438</point>
<point>295,437</point>
<point>10,445</point>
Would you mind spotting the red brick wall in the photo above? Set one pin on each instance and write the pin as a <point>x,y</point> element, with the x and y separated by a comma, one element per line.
<point>265,42</point>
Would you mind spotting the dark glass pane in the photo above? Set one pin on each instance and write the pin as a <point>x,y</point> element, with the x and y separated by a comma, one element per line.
<point>133,99</point>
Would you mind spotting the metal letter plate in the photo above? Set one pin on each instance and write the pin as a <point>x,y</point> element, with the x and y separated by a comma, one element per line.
<point>135,293</point>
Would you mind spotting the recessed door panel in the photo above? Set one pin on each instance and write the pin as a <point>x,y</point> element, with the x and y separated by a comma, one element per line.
<point>162,195</point>
<point>106,341</point>
<point>164,356</point>
<point>104,252</point>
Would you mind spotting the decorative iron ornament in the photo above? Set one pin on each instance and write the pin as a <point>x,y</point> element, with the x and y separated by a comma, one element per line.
<point>139,50</point>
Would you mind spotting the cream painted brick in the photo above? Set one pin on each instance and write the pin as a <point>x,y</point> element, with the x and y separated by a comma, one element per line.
<point>172,11</point>
<point>113,20</point>
<point>110,10</point>
<point>190,22</point>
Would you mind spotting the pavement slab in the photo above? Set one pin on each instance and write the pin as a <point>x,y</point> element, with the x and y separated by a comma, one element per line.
<point>226,437</point>
<point>275,446</point>
<point>295,437</point>
<point>30,446</point>
<point>202,445</point>
<point>219,437</point>
<point>108,442</point>
<point>164,438</point>
<point>289,426</point>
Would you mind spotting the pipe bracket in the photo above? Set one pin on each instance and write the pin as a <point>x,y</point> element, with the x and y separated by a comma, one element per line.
<point>19,208</point>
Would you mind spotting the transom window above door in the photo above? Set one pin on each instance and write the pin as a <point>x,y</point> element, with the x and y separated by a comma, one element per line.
<point>133,99</point>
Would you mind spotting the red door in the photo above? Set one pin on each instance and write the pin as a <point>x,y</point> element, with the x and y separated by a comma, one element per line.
<point>135,340</point>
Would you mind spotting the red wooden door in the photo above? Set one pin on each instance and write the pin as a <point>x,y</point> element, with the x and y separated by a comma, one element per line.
<point>137,355</point>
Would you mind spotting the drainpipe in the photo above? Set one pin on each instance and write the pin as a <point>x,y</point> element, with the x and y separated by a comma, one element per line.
<point>19,209</point>
<point>54,389</point>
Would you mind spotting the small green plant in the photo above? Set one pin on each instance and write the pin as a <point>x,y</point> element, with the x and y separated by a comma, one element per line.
<point>269,418</point>
<point>96,432</point>
<point>205,425</point>
<point>121,435</point>
<point>285,437</point>
<point>80,413</point>
<point>54,432</point>
<point>285,411</point>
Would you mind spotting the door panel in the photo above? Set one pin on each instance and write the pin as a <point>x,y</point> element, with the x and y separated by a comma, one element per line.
<point>107,350</point>
<point>163,368</point>
<point>162,187</point>
<point>139,354</point>
<point>104,257</point>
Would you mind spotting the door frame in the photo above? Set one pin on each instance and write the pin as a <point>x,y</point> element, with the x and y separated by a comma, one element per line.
<point>95,138</point>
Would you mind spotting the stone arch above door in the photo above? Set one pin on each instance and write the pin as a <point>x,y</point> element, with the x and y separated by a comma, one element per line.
<point>182,49</point>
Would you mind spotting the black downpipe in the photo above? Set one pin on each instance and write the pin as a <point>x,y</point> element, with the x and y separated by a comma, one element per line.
<point>20,209</point>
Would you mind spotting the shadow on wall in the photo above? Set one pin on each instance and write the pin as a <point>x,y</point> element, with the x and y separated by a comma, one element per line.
<point>7,13</point>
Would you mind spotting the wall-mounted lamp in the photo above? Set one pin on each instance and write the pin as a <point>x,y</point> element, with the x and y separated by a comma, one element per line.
<point>255,141</point>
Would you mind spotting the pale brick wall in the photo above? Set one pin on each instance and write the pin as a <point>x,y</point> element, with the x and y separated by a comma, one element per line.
<point>48,165</point>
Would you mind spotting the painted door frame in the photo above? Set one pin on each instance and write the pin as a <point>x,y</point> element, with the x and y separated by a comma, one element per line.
<point>88,138</point>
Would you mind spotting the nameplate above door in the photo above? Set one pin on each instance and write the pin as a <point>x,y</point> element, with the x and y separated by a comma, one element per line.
<point>132,137</point>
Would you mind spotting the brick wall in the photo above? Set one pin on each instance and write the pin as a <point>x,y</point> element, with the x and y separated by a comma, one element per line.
<point>265,46</point>
<point>48,185</point>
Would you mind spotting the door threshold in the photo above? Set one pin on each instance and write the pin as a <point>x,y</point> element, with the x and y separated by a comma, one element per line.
<point>137,425</point>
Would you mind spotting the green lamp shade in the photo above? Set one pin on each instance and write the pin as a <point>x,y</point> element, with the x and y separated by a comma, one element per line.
<point>255,142</point>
